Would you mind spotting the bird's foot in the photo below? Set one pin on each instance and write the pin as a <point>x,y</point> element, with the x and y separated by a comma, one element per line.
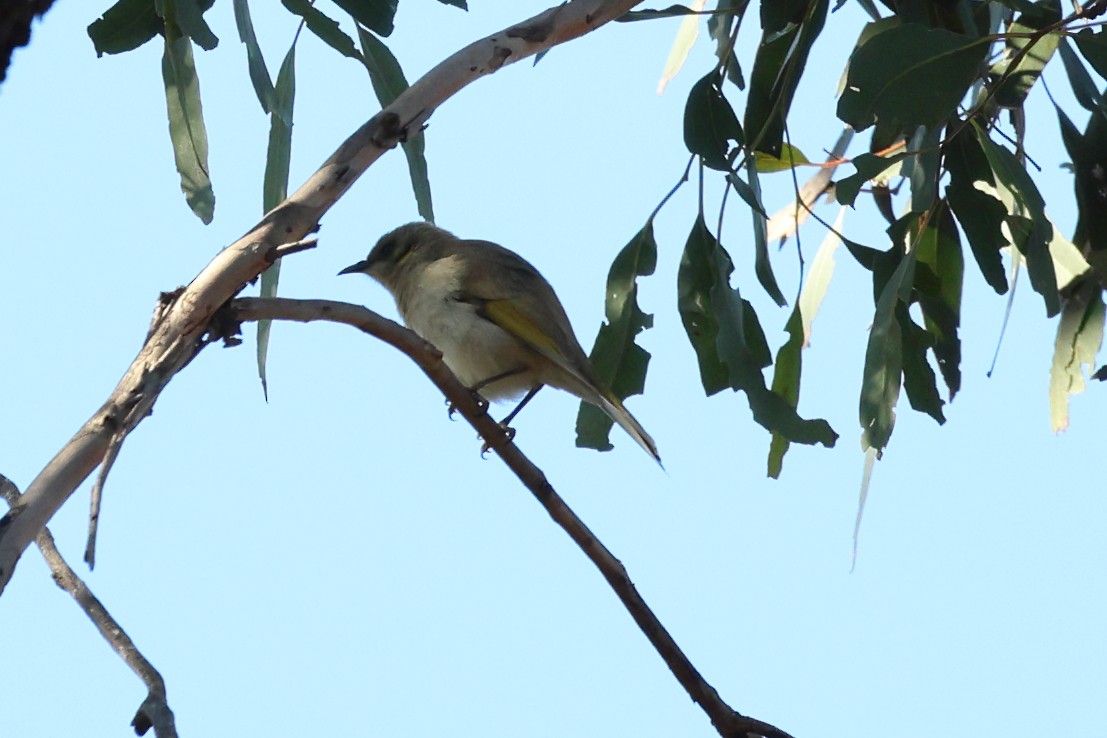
<point>482,406</point>
<point>508,431</point>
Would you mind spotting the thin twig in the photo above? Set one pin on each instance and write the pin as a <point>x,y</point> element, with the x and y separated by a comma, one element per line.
<point>154,711</point>
<point>726,720</point>
<point>96,496</point>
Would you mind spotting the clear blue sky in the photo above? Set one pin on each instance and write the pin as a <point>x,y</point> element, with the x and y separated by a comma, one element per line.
<point>341,561</point>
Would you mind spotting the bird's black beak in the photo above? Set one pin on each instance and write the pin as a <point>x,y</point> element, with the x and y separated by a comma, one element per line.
<point>360,267</point>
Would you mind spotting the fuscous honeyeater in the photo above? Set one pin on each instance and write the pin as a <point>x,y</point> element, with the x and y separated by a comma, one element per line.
<point>496,320</point>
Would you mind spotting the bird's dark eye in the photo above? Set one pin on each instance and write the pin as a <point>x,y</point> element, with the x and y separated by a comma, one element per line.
<point>394,250</point>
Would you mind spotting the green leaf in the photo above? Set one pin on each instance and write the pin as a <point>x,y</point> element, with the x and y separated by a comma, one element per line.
<point>189,17</point>
<point>186,123</point>
<point>921,168</point>
<point>881,381</point>
<point>255,62</point>
<point>762,265</point>
<point>376,15</point>
<point>818,277</point>
<point>456,3</point>
<point>619,361</point>
<point>918,377</point>
<point>979,213</point>
<point>388,82</point>
<point>939,276</point>
<point>125,26</point>
<point>1094,48</point>
<point>721,27</point>
<point>1017,81</point>
<point>786,383</point>
<point>1030,234</point>
<point>275,187</point>
<point>1088,152</point>
<point>695,280</point>
<point>789,29</point>
<point>710,124</point>
<point>729,342</point>
<point>869,167</point>
<point>1079,337</point>
<point>325,28</point>
<point>790,157</point>
<point>1083,88</point>
<point>908,76</point>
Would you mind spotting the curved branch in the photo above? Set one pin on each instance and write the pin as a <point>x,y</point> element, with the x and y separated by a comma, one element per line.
<point>725,719</point>
<point>181,327</point>
<point>154,711</point>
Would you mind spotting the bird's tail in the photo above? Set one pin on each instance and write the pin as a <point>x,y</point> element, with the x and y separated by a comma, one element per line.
<point>614,408</point>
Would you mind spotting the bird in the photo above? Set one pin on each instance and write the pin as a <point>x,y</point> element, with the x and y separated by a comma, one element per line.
<point>497,322</point>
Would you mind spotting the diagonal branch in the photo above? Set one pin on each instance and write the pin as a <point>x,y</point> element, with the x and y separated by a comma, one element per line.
<point>726,720</point>
<point>181,328</point>
<point>154,711</point>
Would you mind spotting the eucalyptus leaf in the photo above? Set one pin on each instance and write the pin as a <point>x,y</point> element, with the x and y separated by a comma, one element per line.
<point>255,61</point>
<point>388,82</point>
<point>1079,338</point>
<point>326,28</point>
<point>619,361</point>
<point>710,125</point>
<point>124,26</point>
<point>275,188</point>
<point>882,378</point>
<point>186,123</point>
<point>908,76</point>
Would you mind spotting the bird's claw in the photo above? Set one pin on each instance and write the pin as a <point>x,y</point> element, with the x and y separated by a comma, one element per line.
<point>508,431</point>
<point>482,406</point>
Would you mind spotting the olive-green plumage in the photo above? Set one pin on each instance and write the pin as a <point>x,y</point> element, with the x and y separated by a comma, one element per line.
<point>496,320</point>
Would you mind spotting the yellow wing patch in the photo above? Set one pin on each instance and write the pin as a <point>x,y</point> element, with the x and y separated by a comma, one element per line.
<point>504,314</point>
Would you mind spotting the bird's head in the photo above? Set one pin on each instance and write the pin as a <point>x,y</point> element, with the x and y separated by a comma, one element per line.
<point>397,251</point>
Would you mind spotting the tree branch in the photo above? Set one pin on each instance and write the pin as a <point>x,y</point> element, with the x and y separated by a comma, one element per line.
<point>154,711</point>
<point>726,720</point>
<point>179,329</point>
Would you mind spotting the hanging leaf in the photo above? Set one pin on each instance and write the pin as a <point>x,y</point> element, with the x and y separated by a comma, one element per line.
<point>908,76</point>
<point>1083,88</point>
<point>818,277</point>
<point>1093,46</point>
<point>722,27</point>
<point>125,26</point>
<point>762,266</point>
<point>918,378</point>
<point>729,342</point>
<point>710,124</point>
<point>325,28</point>
<point>685,40</point>
<point>882,377</point>
<point>186,123</point>
<point>278,159</point>
<point>255,62</point>
<point>979,213</point>
<point>939,276</point>
<point>376,15</point>
<point>789,30</point>
<point>1018,80</point>
<point>1026,221</point>
<point>786,383</point>
<point>1079,338</point>
<point>388,82</point>
<point>619,361</point>
<point>189,18</point>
